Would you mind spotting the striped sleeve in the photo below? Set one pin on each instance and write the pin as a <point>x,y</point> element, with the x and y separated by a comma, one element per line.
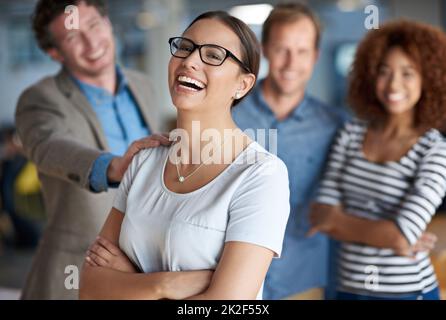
<point>426,194</point>
<point>329,191</point>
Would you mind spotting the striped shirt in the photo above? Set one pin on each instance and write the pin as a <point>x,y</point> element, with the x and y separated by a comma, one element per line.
<point>407,191</point>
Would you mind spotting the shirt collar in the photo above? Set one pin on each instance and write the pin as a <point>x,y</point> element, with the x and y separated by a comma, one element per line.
<point>301,109</point>
<point>92,90</point>
<point>121,80</point>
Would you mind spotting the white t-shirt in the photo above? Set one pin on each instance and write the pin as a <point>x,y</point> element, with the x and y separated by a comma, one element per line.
<point>167,231</point>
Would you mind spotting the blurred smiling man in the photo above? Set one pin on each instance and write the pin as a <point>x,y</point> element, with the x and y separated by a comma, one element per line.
<point>88,52</point>
<point>305,129</point>
<point>81,127</point>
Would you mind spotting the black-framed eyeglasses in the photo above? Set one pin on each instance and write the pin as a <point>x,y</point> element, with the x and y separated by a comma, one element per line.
<point>211,54</point>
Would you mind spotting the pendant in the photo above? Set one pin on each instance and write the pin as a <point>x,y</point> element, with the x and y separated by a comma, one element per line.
<point>181,179</point>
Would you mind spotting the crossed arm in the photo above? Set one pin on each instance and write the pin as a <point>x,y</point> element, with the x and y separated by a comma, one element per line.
<point>333,221</point>
<point>108,274</point>
<point>239,274</point>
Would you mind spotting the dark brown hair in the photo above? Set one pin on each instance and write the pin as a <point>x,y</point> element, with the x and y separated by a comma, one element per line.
<point>288,13</point>
<point>426,46</point>
<point>250,46</point>
<point>48,10</point>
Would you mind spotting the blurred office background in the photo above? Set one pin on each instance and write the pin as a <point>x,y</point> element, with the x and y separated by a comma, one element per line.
<point>142,28</point>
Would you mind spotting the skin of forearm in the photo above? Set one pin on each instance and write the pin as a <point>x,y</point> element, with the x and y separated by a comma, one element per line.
<point>216,295</point>
<point>223,286</point>
<point>220,296</point>
<point>208,295</point>
<point>105,283</point>
<point>380,233</point>
<point>202,296</point>
<point>239,274</point>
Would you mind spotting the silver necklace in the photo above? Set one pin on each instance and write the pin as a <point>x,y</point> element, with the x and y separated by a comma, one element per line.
<point>182,178</point>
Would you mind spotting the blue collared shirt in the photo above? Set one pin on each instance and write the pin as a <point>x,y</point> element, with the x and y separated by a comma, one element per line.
<point>303,143</point>
<point>121,122</point>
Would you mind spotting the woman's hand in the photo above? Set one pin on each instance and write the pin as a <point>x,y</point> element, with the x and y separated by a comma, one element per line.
<point>323,218</point>
<point>426,242</point>
<point>103,253</point>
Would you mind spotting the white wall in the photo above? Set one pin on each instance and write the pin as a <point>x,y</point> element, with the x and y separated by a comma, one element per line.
<point>169,15</point>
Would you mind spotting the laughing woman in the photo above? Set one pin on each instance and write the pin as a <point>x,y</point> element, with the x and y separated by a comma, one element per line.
<point>387,172</point>
<point>203,230</point>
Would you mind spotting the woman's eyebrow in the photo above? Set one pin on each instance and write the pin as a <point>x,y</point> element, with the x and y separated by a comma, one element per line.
<point>406,66</point>
<point>409,66</point>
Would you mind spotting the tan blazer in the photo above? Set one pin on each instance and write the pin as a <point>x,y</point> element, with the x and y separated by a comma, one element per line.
<point>62,136</point>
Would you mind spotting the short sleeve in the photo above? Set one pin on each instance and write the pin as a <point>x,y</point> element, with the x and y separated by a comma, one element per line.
<point>329,191</point>
<point>259,210</point>
<point>426,194</point>
<point>120,201</point>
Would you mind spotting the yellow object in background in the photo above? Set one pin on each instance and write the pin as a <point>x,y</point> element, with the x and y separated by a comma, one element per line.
<point>27,182</point>
<point>439,262</point>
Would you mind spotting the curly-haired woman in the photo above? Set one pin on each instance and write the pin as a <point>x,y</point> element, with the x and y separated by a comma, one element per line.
<point>386,174</point>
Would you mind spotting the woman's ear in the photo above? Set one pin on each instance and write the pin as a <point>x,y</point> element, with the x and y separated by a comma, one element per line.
<point>247,81</point>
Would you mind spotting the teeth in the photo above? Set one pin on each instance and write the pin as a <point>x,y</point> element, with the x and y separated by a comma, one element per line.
<point>96,54</point>
<point>395,97</point>
<point>289,75</point>
<point>190,80</point>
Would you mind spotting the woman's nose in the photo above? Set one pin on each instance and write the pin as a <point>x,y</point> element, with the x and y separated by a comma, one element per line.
<point>193,60</point>
<point>394,82</point>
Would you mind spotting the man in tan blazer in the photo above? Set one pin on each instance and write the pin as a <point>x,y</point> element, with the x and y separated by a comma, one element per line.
<point>76,139</point>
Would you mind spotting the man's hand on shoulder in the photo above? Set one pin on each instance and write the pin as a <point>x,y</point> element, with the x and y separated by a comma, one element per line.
<point>119,165</point>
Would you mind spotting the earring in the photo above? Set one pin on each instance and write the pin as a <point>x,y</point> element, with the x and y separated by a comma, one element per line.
<point>237,95</point>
